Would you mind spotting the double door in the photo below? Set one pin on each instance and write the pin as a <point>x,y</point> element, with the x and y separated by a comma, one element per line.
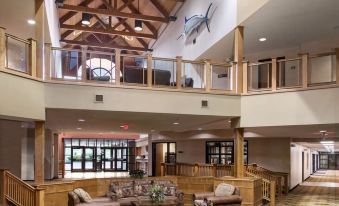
<point>83,159</point>
<point>114,159</point>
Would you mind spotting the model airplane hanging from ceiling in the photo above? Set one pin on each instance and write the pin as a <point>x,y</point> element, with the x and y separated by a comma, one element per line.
<point>194,22</point>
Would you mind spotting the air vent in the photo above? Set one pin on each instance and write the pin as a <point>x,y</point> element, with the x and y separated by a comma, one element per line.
<point>204,103</point>
<point>99,98</point>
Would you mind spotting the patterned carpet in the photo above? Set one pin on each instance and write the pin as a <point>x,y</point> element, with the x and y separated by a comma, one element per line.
<point>319,189</point>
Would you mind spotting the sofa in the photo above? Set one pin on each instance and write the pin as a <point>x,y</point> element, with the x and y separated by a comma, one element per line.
<point>123,193</point>
<point>224,194</point>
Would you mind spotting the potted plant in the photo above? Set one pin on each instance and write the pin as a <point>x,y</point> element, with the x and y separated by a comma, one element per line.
<point>137,174</point>
<point>156,193</point>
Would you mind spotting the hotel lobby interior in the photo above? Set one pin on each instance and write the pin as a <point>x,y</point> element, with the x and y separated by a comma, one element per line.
<point>169,102</point>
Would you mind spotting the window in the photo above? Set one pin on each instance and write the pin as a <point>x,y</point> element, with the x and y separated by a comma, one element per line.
<point>222,152</point>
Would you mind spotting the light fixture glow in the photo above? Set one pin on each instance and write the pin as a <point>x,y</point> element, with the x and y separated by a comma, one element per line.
<point>31,21</point>
<point>138,25</point>
<point>86,19</point>
<point>79,128</point>
<point>327,142</point>
<point>262,39</point>
<point>175,123</point>
<point>81,120</point>
<point>199,128</point>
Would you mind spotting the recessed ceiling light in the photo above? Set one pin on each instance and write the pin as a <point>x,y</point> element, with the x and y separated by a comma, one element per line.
<point>322,131</point>
<point>79,128</point>
<point>175,123</point>
<point>262,39</point>
<point>31,21</point>
<point>229,121</point>
<point>81,120</point>
<point>199,128</point>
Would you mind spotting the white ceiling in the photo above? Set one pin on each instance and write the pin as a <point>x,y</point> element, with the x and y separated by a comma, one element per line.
<point>285,24</point>
<point>61,120</point>
<point>14,15</point>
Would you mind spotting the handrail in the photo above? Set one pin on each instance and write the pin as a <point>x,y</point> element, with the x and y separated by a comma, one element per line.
<point>18,192</point>
<point>17,38</point>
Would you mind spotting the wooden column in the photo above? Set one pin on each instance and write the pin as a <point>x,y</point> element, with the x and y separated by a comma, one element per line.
<point>40,196</point>
<point>56,155</point>
<point>304,70</point>
<point>239,55</point>
<point>149,70</point>
<point>179,71</point>
<point>3,184</point>
<point>2,48</point>
<point>83,64</point>
<point>48,51</point>
<point>32,58</point>
<point>245,78</point>
<point>274,74</point>
<point>239,152</point>
<point>208,75</point>
<point>39,152</point>
<point>337,64</point>
<point>117,66</point>
<point>40,37</point>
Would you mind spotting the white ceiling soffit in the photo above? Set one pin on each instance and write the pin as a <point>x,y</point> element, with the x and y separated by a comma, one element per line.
<point>285,24</point>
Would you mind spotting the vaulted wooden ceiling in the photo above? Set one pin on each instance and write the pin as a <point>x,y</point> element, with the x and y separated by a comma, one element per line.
<point>112,23</point>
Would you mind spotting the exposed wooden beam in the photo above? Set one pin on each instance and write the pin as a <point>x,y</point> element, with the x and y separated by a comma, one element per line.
<point>109,46</point>
<point>113,13</point>
<point>70,14</point>
<point>105,31</point>
<point>107,4</point>
<point>149,25</point>
<point>160,8</point>
<point>100,21</point>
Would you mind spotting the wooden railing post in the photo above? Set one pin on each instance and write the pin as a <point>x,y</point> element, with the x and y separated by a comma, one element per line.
<point>274,74</point>
<point>48,50</point>
<point>234,77</point>
<point>117,66</point>
<point>2,48</point>
<point>39,196</point>
<point>337,65</point>
<point>214,170</point>
<point>83,64</point>
<point>304,69</point>
<point>32,58</point>
<point>149,70</point>
<point>272,193</point>
<point>245,77</point>
<point>3,184</point>
<point>208,75</point>
<point>179,71</point>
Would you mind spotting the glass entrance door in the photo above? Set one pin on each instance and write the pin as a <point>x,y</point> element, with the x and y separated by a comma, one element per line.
<point>83,159</point>
<point>115,159</point>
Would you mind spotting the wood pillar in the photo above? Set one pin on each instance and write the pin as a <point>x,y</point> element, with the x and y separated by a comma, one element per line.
<point>239,152</point>
<point>39,152</point>
<point>337,65</point>
<point>32,58</point>
<point>274,74</point>
<point>40,37</point>
<point>208,75</point>
<point>304,70</point>
<point>56,155</point>
<point>117,66</point>
<point>245,78</point>
<point>83,64</point>
<point>239,55</point>
<point>3,184</point>
<point>48,51</point>
<point>149,70</point>
<point>2,48</point>
<point>179,71</point>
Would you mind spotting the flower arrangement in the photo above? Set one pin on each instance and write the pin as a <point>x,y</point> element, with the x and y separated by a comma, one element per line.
<point>156,193</point>
<point>137,174</point>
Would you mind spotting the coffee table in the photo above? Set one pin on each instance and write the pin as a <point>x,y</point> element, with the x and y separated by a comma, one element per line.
<point>151,203</point>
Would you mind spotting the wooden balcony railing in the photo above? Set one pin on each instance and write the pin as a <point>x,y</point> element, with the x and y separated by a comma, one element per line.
<point>19,193</point>
<point>196,170</point>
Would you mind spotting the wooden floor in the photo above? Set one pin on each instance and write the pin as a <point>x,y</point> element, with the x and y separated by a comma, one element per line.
<point>322,188</point>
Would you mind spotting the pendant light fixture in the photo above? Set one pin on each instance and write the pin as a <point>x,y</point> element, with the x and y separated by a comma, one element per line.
<point>86,19</point>
<point>137,22</point>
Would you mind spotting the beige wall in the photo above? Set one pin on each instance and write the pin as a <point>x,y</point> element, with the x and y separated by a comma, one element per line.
<point>136,100</point>
<point>270,153</point>
<point>21,98</point>
<point>248,7</point>
<point>291,108</point>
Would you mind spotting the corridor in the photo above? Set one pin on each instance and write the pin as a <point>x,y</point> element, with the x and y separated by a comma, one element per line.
<point>322,188</point>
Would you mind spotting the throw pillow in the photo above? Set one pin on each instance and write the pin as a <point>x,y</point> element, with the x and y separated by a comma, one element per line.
<point>83,195</point>
<point>224,189</point>
<point>74,197</point>
<point>200,203</point>
<point>122,192</point>
<point>170,190</point>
